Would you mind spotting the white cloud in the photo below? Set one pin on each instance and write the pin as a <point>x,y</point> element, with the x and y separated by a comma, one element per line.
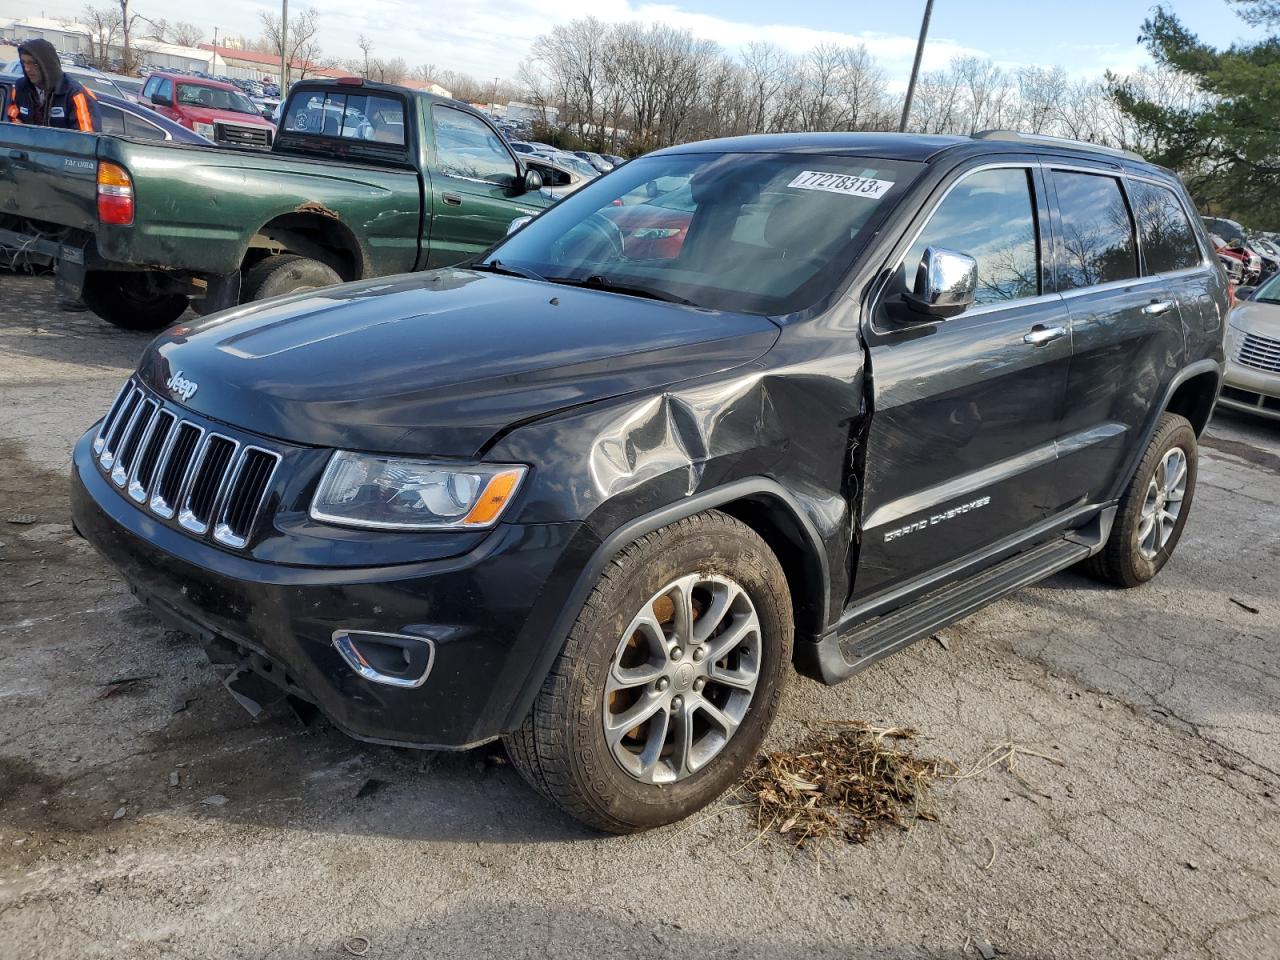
<point>489,38</point>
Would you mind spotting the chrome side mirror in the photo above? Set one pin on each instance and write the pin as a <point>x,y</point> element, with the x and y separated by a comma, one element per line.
<point>946,283</point>
<point>532,181</point>
<point>516,224</point>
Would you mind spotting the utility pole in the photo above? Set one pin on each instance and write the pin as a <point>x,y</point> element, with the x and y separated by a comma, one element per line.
<point>915,67</point>
<point>284,45</point>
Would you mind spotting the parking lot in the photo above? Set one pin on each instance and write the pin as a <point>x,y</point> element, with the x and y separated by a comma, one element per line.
<point>144,814</point>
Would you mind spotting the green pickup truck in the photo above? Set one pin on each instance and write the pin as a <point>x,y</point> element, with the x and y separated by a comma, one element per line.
<point>363,180</point>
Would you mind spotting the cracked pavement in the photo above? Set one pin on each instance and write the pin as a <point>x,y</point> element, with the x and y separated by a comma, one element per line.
<point>1155,835</point>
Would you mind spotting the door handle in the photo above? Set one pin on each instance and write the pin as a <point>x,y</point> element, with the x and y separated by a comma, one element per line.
<point>1042,335</point>
<point>452,199</point>
<point>1157,307</point>
<point>17,155</point>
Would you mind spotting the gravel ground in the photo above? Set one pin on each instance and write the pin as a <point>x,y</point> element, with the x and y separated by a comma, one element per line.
<point>1155,834</point>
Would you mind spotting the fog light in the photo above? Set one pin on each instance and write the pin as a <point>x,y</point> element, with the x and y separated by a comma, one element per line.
<point>395,659</point>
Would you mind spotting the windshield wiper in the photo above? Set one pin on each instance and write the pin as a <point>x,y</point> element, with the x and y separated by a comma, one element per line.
<point>597,282</point>
<point>1266,300</point>
<point>497,266</point>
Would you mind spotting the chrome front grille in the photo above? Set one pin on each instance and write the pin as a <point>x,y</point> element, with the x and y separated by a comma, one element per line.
<point>176,468</point>
<point>242,136</point>
<point>1261,353</point>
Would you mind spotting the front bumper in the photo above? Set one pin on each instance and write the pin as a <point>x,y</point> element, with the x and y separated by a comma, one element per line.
<point>488,612</point>
<point>1250,390</point>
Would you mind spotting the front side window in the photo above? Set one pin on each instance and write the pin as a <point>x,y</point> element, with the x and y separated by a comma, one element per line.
<point>756,233</point>
<point>466,147</point>
<point>990,216</point>
<point>1097,234</point>
<point>165,89</point>
<point>1168,241</point>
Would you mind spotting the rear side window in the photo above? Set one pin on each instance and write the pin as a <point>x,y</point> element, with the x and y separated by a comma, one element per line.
<point>137,127</point>
<point>112,120</point>
<point>1168,241</point>
<point>990,216</point>
<point>1097,234</point>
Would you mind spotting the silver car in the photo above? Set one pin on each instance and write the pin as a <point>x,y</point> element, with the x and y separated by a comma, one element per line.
<point>1252,382</point>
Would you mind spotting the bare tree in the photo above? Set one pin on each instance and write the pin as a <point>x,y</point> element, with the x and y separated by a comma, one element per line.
<point>303,49</point>
<point>393,70</point>
<point>103,25</point>
<point>767,68</point>
<point>177,32</point>
<point>366,48</point>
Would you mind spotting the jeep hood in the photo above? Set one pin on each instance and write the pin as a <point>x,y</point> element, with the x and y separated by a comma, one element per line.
<point>437,363</point>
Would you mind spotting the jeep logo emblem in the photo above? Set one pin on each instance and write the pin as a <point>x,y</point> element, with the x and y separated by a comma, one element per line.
<point>182,387</point>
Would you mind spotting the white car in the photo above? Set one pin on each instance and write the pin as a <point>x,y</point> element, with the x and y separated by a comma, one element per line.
<point>1252,382</point>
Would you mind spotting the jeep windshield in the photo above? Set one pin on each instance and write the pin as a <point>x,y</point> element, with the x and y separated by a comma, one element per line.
<point>748,232</point>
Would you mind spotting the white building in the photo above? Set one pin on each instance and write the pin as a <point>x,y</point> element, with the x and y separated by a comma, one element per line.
<point>69,38</point>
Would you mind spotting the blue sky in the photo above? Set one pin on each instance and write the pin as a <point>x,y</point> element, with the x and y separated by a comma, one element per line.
<point>489,37</point>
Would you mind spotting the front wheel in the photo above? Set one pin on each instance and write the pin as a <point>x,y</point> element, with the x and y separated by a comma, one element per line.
<point>669,679</point>
<point>1153,509</point>
<point>132,301</point>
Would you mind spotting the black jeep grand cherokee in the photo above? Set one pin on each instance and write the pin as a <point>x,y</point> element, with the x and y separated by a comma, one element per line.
<point>735,405</point>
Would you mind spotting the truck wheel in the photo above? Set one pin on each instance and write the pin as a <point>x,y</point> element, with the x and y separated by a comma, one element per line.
<point>131,301</point>
<point>283,273</point>
<point>668,681</point>
<point>1153,509</point>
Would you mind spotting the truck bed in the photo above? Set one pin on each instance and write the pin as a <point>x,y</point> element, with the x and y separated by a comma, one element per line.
<point>197,208</point>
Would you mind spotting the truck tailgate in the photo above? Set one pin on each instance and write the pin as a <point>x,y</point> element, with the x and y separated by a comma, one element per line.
<point>49,174</point>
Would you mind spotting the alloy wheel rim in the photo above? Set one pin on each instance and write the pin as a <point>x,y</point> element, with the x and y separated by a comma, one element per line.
<point>1163,503</point>
<point>682,678</point>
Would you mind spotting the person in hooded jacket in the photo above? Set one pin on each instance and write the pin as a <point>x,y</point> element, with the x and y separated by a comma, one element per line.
<point>45,96</point>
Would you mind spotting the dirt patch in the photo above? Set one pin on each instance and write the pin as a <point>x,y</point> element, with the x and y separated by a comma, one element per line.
<point>1245,451</point>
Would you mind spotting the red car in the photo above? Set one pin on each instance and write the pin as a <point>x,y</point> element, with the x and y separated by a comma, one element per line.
<point>653,228</point>
<point>211,108</point>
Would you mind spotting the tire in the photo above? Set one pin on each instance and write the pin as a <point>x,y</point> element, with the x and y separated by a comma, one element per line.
<point>284,273</point>
<point>131,301</point>
<point>562,748</point>
<point>1131,556</point>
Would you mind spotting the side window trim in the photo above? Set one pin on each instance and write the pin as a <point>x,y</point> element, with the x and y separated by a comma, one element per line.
<point>1040,208</point>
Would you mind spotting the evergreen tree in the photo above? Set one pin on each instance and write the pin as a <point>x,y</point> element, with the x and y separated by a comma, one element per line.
<point>1228,147</point>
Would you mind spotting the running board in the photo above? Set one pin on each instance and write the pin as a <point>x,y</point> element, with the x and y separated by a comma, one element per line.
<point>846,651</point>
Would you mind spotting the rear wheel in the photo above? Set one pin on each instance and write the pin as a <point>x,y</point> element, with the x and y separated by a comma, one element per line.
<point>669,679</point>
<point>285,273</point>
<point>1153,510</point>
<point>132,301</point>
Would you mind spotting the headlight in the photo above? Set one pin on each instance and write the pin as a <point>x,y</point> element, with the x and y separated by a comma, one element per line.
<point>204,129</point>
<point>390,493</point>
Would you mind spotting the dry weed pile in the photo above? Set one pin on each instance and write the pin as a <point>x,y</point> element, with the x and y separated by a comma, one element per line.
<point>843,783</point>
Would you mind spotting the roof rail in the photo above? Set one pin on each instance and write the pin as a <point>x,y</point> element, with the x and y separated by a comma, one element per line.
<point>1017,136</point>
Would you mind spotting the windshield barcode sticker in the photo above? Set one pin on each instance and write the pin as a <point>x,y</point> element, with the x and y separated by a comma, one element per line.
<point>850,186</point>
